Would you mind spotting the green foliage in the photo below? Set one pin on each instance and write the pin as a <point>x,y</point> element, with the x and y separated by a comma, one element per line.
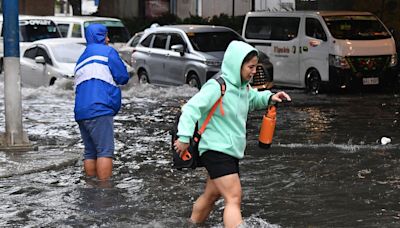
<point>234,23</point>
<point>196,20</point>
<point>137,24</point>
<point>167,19</point>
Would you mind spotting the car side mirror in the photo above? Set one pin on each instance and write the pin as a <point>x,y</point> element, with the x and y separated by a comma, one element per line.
<point>40,59</point>
<point>178,48</point>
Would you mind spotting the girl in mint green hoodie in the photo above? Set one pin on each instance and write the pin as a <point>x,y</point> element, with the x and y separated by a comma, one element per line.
<point>223,142</point>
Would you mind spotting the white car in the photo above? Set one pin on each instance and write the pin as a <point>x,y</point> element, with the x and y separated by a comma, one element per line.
<point>45,61</point>
<point>31,28</point>
<point>74,26</point>
<point>126,51</point>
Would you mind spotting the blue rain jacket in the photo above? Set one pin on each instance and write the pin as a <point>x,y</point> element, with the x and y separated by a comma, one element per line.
<point>98,73</point>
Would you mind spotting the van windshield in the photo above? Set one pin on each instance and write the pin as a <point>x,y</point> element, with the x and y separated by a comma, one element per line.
<point>356,27</point>
<point>212,41</point>
<point>117,32</point>
<point>37,29</point>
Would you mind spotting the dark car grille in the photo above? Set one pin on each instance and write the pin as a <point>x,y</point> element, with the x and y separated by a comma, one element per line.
<point>369,65</point>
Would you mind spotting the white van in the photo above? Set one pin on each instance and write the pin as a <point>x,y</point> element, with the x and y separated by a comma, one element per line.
<point>309,49</point>
<point>31,28</point>
<point>74,26</point>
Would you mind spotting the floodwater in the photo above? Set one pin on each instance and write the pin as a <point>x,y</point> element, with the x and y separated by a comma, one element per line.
<point>326,167</point>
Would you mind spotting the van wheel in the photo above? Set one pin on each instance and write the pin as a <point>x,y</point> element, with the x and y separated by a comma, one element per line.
<point>52,81</point>
<point>193,81</point>
<point>143,78</point>
<point>313,81</point>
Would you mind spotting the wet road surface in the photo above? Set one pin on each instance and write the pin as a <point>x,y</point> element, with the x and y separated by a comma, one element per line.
<point>326,167</point>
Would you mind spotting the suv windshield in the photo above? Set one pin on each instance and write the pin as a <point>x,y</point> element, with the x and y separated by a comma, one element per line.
<point>212,41</point>
<point>37,29</point>
<point>116,30</point>
<point>356,27</point>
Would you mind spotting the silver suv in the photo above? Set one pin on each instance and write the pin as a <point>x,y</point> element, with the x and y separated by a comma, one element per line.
<point>180,54</point>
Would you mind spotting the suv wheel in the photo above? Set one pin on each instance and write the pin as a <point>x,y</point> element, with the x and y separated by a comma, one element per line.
<point>193,81</point>
<point>143,78</point>
<point>52,81</point>
<point>313,81</point>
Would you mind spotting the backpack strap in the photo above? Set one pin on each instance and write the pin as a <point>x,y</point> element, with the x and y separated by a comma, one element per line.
<point>222,84</point>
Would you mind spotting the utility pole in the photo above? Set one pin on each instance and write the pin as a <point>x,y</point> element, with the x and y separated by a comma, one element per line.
<point>14,139</point>
<point>233,8</point>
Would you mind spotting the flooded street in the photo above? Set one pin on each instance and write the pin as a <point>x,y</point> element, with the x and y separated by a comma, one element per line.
<point>326,167</point>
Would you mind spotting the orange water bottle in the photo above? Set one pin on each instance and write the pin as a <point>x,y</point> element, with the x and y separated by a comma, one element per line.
<point>267,128</point>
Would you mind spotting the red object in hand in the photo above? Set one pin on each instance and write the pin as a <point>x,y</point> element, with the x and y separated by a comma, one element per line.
<point>267,128</point>
<point>186,155</point>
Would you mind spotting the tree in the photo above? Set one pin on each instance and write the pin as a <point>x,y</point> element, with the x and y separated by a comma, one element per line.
<point>386,10</point>
<point>76,7</point>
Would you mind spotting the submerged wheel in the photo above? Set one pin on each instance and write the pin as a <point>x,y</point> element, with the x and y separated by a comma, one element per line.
<point>193,81</point>
<point>143,77</point>
<point>313,81</point>
<point>52,81</point>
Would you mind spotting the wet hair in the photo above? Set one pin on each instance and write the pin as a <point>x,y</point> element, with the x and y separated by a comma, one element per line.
<point>249,56</point>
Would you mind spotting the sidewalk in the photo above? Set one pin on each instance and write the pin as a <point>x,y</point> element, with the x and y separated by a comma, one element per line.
<point>18,163</point>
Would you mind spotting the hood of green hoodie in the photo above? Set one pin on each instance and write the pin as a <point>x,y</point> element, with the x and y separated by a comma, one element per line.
<point>232,62</point>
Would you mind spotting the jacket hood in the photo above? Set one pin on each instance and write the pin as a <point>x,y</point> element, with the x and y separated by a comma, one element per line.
<point>232,62</point>
<point>96,34</point>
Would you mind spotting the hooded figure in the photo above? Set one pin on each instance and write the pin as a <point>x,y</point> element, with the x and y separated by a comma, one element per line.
<point>226,134</point>
<point>223,141</point>
<point>98,73</point>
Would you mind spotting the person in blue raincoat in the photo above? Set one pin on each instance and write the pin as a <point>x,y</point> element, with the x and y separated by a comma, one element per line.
<point>98,73</point>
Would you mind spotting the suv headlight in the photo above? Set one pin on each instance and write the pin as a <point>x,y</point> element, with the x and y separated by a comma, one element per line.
<point>393,60</point>
<point>213,63</point>
<point>338,61</point>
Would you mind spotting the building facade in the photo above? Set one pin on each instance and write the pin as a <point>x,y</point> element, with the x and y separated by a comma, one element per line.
<point>34,7</point>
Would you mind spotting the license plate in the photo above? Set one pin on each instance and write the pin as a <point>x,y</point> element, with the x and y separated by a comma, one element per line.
<point>370,81</point>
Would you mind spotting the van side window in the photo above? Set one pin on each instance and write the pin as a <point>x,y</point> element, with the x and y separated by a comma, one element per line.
<point>76,30</point>
<point>272,28</point>
<point>63,29</point>
<point>147,41</point>
<point>175,39</point>
<point>160,41</point>
<point>314,29</point>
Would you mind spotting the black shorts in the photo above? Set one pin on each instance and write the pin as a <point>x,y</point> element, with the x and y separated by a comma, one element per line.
<point>219,164</point>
